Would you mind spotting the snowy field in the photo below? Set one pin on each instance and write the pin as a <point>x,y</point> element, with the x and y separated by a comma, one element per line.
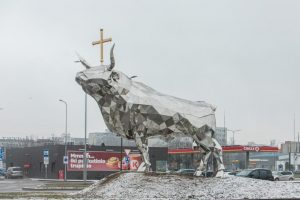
<point>164,186</point>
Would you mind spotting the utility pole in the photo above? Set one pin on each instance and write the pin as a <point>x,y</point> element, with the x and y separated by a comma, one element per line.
<point>66,135</point>
<point>295,145</point>
<point>294,127</point>
<point>121,154</point>
<point>225,132</point>
<point>233,132</point>
<point>290,156</point>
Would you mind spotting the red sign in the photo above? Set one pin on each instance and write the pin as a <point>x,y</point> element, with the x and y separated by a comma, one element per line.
<point>240,148</point>
<point>61,174</point>
<point>101,161</point>
<point>27,165</point>
<point>251,148</point>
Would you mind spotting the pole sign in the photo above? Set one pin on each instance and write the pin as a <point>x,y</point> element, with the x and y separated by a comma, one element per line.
<point>46,156</point>
<point>1,153</point>
<point>65,160</point>
<point>127,151</point>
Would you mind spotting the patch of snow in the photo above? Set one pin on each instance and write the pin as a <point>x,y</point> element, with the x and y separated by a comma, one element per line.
<point>170,186</point>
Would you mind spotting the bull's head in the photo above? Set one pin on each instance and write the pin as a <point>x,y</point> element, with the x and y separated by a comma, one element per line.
<point>98,81</point>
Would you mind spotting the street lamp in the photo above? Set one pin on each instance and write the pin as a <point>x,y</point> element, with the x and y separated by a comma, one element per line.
<point>233,132</point>
<point>66,133</point>
<point>85,132</point>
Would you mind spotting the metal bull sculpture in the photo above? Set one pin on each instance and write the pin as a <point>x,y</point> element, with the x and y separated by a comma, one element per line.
<point>136,111</point>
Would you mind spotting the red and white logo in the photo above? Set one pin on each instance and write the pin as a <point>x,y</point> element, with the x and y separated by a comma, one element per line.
<point>247,148</point>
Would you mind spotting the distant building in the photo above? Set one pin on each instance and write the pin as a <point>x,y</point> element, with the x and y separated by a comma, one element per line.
<point>77,141</point>
<point>108,139</point>
<point>27,142</point>
<point>290,146</point>
<point>273,143</point>
<point>221,135</point>
<point>255,144</point>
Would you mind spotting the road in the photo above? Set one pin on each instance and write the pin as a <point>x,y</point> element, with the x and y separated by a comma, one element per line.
<point>16,185</point>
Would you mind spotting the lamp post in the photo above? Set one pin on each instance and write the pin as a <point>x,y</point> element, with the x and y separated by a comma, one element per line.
<point>85,131</point>
<point>121,154</point>
<point>66,134</point>
<point>233,132</point>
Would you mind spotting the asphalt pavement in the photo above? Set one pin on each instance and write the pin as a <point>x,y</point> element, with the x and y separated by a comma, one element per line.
<point>16,185</point>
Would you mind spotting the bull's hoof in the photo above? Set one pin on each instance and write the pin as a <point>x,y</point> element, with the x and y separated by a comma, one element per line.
<point>198,173</point>
<point>144,167</point>
<point>220,174</point>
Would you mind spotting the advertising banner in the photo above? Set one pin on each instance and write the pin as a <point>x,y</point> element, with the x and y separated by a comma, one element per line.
<point>102,161</point>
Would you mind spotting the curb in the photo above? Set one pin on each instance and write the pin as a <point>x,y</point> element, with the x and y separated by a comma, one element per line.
<point>51,189</point>
<point>61,180</point>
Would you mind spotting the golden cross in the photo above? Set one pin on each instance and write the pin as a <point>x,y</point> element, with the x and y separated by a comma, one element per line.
<point>101,42</point>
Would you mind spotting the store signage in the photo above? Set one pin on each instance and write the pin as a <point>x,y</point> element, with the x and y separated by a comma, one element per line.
<point>251,148</point>
<point>241,148</point>
<point>101,161</point>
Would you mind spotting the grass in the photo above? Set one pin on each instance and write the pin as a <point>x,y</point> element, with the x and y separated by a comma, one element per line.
<point>47,195</point>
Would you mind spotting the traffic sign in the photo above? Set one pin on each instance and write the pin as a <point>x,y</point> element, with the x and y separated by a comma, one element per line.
<point>127,151</point>
<point>46,156</point>
<point>1,153</point>
<point>46,152</point>
<point>46,160</point>
<point>65,160</point>
<point>126,158</point>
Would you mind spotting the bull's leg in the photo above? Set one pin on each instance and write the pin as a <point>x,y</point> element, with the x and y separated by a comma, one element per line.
<point>202,168</point>
<point>218,156</point>
<point>143,147</point>
<point>205,145</point>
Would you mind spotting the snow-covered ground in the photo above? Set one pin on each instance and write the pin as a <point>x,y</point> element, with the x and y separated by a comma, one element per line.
<point>167,186</point>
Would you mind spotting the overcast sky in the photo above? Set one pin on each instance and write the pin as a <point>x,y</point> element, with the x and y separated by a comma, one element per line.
<point>242,56</point>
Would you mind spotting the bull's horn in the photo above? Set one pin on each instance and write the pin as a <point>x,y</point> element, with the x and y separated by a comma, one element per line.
<point>83,62</point>
<point>112,58</point>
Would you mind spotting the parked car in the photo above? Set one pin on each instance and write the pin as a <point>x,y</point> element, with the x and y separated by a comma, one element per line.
<point>232,173</point>
<point>297,172</point>
<point>264,174</point>
<point>14,172</point>
<point>189,172</point>
<point>283,176</point>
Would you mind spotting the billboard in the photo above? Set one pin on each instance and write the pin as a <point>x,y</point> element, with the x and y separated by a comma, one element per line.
<point>103,161</point>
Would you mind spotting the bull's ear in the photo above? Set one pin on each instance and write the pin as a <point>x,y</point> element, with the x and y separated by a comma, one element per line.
<point>115,76</point>
<point>112,58</point>
<point>131,77</point>
<point>82,61</point>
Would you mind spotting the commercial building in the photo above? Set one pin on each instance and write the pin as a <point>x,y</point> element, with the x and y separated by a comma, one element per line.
<point>237,157</point>
<point>289,158</point>
<point>221,135</point>
<point>109,139</point>
<point>31,159</point>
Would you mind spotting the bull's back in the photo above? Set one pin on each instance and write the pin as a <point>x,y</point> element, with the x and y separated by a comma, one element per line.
<point>166,104</point>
